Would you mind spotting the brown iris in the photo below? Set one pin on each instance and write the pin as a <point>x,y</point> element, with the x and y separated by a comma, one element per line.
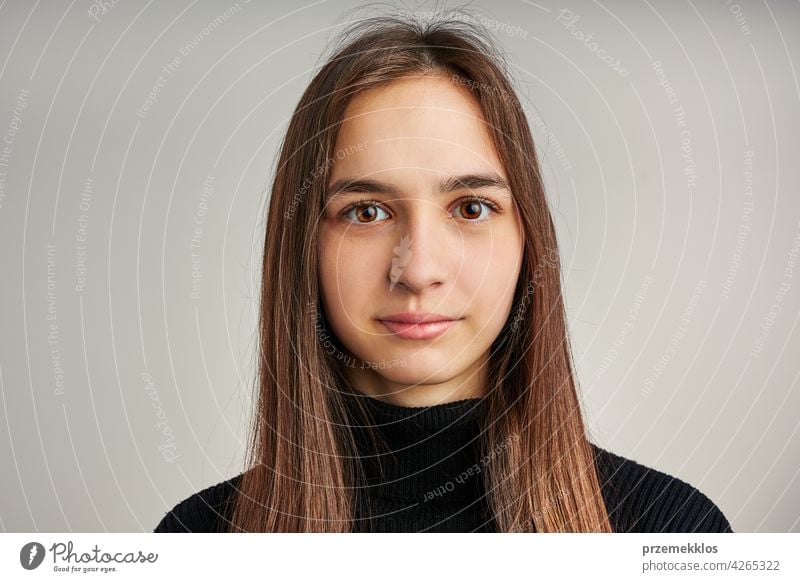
<point>472,205</point>
<point>369,212</point>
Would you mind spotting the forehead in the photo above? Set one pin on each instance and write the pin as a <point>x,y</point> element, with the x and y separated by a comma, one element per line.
<point>415,123</point>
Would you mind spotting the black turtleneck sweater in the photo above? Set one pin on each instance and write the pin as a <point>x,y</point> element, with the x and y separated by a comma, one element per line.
<point>431,481</point>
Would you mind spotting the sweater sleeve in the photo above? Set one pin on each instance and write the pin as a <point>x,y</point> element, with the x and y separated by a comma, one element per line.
<point>204,512</point>
<point>644,500</point>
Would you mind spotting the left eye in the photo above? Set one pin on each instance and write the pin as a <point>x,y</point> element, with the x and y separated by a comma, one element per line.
<point>474,209</point>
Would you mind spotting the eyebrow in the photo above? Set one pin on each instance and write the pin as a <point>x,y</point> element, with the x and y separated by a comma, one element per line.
<point>449,184</point>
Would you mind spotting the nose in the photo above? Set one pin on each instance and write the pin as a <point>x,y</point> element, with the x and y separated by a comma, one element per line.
<point>424,253</point>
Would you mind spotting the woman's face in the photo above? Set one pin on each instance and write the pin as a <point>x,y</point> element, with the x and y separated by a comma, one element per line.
<point>424,244</point>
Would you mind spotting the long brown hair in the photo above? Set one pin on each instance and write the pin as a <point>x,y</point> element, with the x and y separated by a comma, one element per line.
<point>303,473</point>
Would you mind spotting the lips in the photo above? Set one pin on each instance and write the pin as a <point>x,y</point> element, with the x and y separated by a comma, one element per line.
<point>418,325</point>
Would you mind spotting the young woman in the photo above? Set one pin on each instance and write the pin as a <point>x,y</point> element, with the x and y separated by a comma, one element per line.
<point>415,372</point>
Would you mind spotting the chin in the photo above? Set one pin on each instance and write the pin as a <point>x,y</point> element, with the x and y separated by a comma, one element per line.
<point>414,375</point>
<point>418,364</point>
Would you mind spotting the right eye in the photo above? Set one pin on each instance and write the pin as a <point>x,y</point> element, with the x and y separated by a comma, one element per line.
<point>365,211</point>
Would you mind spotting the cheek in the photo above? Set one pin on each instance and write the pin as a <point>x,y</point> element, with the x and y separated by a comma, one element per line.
<point>490,278</point>
<point>348,271</point>
<point>330,277</point>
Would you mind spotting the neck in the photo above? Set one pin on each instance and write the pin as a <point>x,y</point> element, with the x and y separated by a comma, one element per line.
<point>419,450</point>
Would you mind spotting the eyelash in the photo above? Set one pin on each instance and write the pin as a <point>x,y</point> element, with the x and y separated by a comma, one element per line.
<point>372,202</point>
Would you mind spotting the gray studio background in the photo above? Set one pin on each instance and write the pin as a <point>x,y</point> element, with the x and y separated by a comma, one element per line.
<point>131,223</point>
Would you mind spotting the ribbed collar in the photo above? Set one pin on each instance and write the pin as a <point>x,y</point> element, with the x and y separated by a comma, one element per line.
<point>433,451</point>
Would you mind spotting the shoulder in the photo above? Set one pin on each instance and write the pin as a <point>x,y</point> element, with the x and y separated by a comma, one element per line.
<point>646,500</point>
<point>206,511</point>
